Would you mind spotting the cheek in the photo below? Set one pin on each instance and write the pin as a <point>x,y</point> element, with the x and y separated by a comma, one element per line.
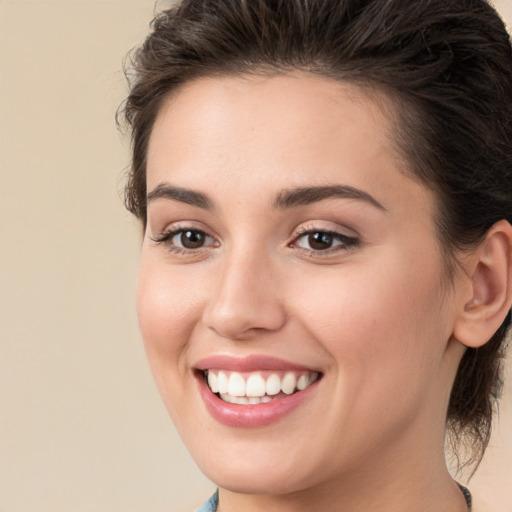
<point>374,322</point>
<point>168,308</point>
<point>167,312</point>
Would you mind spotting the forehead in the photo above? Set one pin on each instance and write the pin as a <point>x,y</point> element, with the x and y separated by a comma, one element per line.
<point>285,104</point>
<point>270,132</point>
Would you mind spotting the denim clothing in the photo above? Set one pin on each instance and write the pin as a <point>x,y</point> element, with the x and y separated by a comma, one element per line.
<point>211,504</point>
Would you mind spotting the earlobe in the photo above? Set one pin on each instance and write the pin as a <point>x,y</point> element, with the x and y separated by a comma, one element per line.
<point>489,295</point>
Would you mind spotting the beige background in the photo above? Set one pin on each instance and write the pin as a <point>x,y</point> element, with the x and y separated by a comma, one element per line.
<point>81,425</point>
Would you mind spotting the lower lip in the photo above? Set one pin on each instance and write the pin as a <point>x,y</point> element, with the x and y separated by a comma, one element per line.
<point>250,416</point>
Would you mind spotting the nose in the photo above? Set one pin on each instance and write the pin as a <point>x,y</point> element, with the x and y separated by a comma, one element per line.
<point>245,302</point>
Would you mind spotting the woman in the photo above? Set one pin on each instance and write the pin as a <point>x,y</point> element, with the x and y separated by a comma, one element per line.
<point>325,189</point>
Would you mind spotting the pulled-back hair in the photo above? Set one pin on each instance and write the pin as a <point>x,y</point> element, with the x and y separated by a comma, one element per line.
<point>445,66</point>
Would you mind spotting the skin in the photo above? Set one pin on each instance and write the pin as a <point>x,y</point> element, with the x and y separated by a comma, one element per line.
<point>376,317</point>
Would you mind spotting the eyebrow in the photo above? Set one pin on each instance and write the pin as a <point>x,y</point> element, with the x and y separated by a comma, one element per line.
<point>286,199</point>
<point>308,195</point>
<point>183,195</point>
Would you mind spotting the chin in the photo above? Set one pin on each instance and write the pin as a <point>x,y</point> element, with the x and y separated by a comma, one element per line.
<point>256,480</point>
<point>252,468</point>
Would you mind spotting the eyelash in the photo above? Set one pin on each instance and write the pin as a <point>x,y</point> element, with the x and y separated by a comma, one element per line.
<point>166,237</point>
<point>346,242</point>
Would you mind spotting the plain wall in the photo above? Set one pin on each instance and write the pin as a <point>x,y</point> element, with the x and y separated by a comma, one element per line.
<point>82,428</point>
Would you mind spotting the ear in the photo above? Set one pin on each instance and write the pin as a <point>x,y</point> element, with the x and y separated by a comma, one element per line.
<point>487,294</point>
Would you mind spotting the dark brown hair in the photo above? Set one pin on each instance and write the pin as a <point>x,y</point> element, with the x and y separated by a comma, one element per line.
<point>445,64</point>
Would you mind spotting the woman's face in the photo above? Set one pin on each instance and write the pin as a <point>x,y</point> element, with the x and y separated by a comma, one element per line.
<point>289,255</point>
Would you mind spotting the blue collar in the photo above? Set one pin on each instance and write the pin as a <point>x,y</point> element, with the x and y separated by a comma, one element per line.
<point>211,504</point>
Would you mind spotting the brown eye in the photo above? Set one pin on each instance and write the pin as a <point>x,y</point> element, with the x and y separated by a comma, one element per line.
<point>185,240</point>
<point>190,239</point>
<point>326,241</point>
<point>320,241</point>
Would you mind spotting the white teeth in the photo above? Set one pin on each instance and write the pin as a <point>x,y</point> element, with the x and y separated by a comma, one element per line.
<point>222,382</point>
<point>228,398</point>
<point>273,386</point>
<point>236,385</point>
<point>212,382</point>
<point>288,384</point>
<point>255,386</point>
<point>302,383</point>
<point>242,400</point>
<point>252,388</point>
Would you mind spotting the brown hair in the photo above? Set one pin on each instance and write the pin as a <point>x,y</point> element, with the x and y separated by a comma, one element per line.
<point>445,64</point>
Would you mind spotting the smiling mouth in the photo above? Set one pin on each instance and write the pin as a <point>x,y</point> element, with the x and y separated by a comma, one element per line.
<point>258,387</point>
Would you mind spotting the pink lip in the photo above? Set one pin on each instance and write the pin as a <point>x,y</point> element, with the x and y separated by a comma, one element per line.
<point>250,416</point>
<point>249,364</point>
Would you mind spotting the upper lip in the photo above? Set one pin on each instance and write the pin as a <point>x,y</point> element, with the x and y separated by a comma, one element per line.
<point>249,363</point>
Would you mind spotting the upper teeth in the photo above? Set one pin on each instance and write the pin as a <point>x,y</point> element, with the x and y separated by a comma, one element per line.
<point>258,384</point>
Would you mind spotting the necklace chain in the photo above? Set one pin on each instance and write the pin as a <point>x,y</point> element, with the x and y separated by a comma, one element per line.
<point>467,497</point>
